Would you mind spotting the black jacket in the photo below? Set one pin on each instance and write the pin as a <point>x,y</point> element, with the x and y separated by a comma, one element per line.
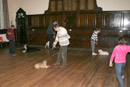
<point>50,29</point>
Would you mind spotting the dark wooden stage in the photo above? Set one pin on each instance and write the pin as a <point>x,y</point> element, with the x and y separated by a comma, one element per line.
<point>83,70</point>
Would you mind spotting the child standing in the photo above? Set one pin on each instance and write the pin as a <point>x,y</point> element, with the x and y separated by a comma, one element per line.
<point>11,37</point>
<point>119,55</point>
<point>94,40</point>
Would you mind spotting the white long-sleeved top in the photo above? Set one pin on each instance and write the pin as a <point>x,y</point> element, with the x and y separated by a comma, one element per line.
<point>62,37</point>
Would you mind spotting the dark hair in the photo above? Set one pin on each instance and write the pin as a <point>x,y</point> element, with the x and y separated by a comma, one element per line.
<point>56,25</point>
<point>12,25</point>
<point>98,29</point>
<point>123,40</point>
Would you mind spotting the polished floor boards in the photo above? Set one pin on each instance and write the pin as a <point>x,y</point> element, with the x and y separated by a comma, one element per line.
<point>82,70</point>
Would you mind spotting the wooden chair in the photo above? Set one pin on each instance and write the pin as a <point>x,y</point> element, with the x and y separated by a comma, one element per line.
<point>2,41</point>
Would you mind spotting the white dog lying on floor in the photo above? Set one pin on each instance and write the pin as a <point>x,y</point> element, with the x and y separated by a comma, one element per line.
<point>41,65</point>
<point>101,52</point>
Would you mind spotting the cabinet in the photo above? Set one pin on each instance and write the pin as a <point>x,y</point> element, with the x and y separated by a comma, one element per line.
<point>21,26</point>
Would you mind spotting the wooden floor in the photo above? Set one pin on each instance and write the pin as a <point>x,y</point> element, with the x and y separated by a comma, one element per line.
<point>83,70</point>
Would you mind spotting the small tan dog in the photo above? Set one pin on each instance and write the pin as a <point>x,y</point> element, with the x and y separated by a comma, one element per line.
<point>101,52</point>
<point>41,65</point>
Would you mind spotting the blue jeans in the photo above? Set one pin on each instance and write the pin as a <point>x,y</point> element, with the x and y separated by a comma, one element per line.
<point>119,68</point>
<point>92,45</point>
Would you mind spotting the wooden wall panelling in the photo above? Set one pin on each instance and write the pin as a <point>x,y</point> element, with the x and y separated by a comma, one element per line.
<point>74,5</point>
<point>69,5</point>
<point>30,37</point>
<point>60,19</point>
<point>66,5</point>
<point>88,34</point>
<point>108,20</point>
<point>44,25</point>
<point>99,20</point>
<point>53,18</point>
<point>82,4</point>
<point>117,20</point>
<point>41,21</point>
<point>63,20</point>
<point>91,20</point>
<point>37,37</point>
<point>83,38</point>
<point>59,5</point>
<point>90,4</point>
<point>78,21</point>
<point>70,20</point>
<point>126,21</point>
<point>47,20</point>
<point>83,24</point>
<point>42,36</point>
<point>76,38</point>
<point>80,38</point>
<point>109,38</point>
<point>29,21</point>
<point>35,21</point>
<point>52,6</point>
<point>85,35</point>
<point>82,20</point>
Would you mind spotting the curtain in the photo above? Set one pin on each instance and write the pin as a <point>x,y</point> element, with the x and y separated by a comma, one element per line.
<point>1,15</point>
<point>4,15</point>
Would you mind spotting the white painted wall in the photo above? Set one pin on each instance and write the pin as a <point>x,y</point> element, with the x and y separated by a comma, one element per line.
<point>33,6</point>
<point>12,10</point>
<point>29,6</point>
<point>110,5</point>
<point>39,6</point>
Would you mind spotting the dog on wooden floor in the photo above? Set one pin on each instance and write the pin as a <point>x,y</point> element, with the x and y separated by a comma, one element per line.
<point>28,48</point>
<point>43,64</point>
<point>101,52</point>
<point>47,44</point>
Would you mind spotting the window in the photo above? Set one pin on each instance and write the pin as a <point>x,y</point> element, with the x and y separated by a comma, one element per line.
<point>4,16</point>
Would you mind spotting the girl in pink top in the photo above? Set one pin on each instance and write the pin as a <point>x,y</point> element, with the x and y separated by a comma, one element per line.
<point>119,56</point>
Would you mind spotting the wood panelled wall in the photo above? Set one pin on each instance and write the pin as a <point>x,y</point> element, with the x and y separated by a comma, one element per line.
<point>72,5</point>
<point>82,23</point>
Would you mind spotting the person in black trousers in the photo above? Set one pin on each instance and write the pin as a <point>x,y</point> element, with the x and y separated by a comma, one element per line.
<point>50,34</point>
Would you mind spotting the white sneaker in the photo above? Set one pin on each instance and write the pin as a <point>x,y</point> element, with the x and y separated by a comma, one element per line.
<point>122,76</point>
<point>94,53</point>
